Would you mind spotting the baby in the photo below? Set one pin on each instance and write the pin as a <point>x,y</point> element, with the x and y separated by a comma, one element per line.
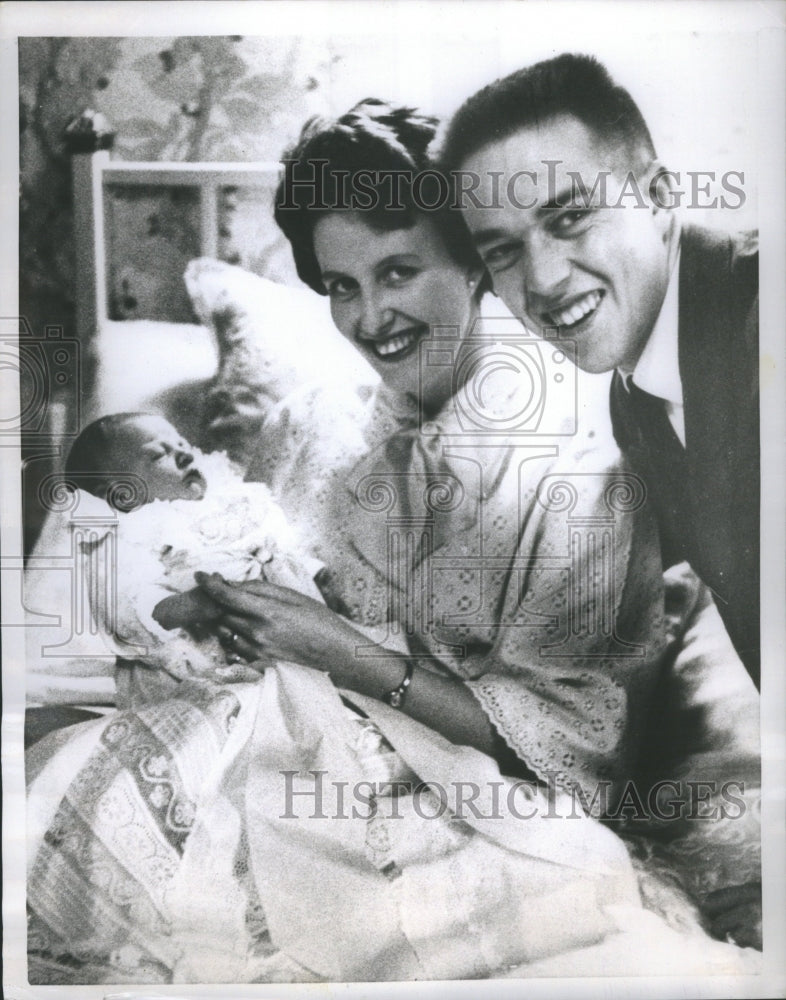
<point>179,511</point>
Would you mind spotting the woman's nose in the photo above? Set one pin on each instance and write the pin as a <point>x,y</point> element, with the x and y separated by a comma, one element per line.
<point>374,318</point>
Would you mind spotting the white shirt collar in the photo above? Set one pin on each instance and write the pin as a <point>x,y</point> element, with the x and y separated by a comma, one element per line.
<point>658,371</point>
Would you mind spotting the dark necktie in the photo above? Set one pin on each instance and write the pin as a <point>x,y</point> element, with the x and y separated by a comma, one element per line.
<point>653,422</point>
<point>663,464</point>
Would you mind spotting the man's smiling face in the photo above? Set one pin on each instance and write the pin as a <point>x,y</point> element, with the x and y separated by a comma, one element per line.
<point>596,275</point>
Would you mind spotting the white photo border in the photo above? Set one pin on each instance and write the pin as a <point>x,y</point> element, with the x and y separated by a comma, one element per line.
<point>571,20</point>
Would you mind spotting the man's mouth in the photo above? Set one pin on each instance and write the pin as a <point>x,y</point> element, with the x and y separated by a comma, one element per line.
<point>398,346</point>
<point>577,312</point>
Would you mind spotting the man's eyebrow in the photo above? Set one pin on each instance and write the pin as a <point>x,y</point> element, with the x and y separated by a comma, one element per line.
<point>566,198</point>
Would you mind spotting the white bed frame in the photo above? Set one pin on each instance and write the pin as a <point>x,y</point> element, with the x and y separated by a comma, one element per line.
<point>113,344</point>
<point>93,173</point>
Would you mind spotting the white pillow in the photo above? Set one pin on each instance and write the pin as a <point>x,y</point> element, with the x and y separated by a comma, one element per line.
<point>272,339</point>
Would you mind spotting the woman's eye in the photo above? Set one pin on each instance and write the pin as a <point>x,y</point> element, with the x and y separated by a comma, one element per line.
<point>398,274</point>
<point>341,288</point>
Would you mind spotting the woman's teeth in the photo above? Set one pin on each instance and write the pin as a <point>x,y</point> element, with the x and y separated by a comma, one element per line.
<point>577,312</point>
<point>397,344</point>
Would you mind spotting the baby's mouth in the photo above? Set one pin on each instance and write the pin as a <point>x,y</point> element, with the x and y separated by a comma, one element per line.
<point>398,346</point>
<point>195,483</point>
<point>579,311</point>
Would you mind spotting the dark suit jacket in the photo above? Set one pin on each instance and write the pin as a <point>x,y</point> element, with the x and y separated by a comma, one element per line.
<point>707,496</point>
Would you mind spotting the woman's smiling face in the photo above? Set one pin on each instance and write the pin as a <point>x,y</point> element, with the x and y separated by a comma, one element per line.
<point>389,291</point>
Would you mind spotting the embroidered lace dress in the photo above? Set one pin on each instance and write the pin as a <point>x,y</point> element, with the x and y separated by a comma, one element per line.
<point>524,564</point>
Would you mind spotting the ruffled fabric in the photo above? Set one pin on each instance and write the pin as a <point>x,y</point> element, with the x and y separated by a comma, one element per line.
<point>134,560</point>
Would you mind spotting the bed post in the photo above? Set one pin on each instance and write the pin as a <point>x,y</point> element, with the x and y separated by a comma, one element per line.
<point>89,139</point>
<point>87,170</point>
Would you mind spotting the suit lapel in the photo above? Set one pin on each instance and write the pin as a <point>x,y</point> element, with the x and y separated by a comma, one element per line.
<point>710,396</point>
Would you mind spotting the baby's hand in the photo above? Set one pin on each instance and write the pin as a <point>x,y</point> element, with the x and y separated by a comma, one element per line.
<point>187,610</point>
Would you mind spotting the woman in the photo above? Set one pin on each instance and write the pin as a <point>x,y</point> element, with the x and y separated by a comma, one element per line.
<point>517,676</point>
<point>265,830</point>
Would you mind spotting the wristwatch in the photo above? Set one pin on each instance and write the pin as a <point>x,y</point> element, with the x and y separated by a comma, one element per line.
<point>395,698</point>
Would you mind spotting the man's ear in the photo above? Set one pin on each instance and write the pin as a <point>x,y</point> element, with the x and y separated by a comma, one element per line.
<point>661,185</point>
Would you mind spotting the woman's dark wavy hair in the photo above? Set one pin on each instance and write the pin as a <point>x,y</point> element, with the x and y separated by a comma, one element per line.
<point>372,137</point>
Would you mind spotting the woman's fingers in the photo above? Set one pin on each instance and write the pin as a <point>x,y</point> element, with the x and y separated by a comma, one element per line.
<point>230,596</point>
<point>247,598</point>
<point>237,644</point>
<point>272,590</point>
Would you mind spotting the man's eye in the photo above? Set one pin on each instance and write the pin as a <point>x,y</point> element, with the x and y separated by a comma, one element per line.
<point>571,220</point>
<point>341,289</point>
<point>500,256</point>
<point>398,274</point>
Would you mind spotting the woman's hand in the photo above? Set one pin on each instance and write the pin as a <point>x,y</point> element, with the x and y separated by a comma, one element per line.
<point>263,620</point>
<point>186,610</point>
<point>266,622</point>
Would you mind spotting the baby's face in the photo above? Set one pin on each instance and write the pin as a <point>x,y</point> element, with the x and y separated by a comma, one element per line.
<point>151,448</point>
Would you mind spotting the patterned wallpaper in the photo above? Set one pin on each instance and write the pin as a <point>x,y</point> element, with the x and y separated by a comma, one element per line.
<point>202,98</point>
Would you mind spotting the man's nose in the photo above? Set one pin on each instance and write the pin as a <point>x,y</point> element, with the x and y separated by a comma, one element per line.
<point>183,459</point>
<point>546,273</point>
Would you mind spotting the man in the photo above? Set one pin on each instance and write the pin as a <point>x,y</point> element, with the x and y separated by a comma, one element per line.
<point>572,215</point>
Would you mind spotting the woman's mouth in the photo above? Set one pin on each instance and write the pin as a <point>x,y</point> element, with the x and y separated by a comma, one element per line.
<point>576,313</point>
<point>400,345</point>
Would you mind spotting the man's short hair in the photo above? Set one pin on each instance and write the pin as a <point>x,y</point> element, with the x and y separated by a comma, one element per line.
<point>569,84</point>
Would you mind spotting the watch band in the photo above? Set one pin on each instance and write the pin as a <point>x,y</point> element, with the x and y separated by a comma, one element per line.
<point>395,698</point>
